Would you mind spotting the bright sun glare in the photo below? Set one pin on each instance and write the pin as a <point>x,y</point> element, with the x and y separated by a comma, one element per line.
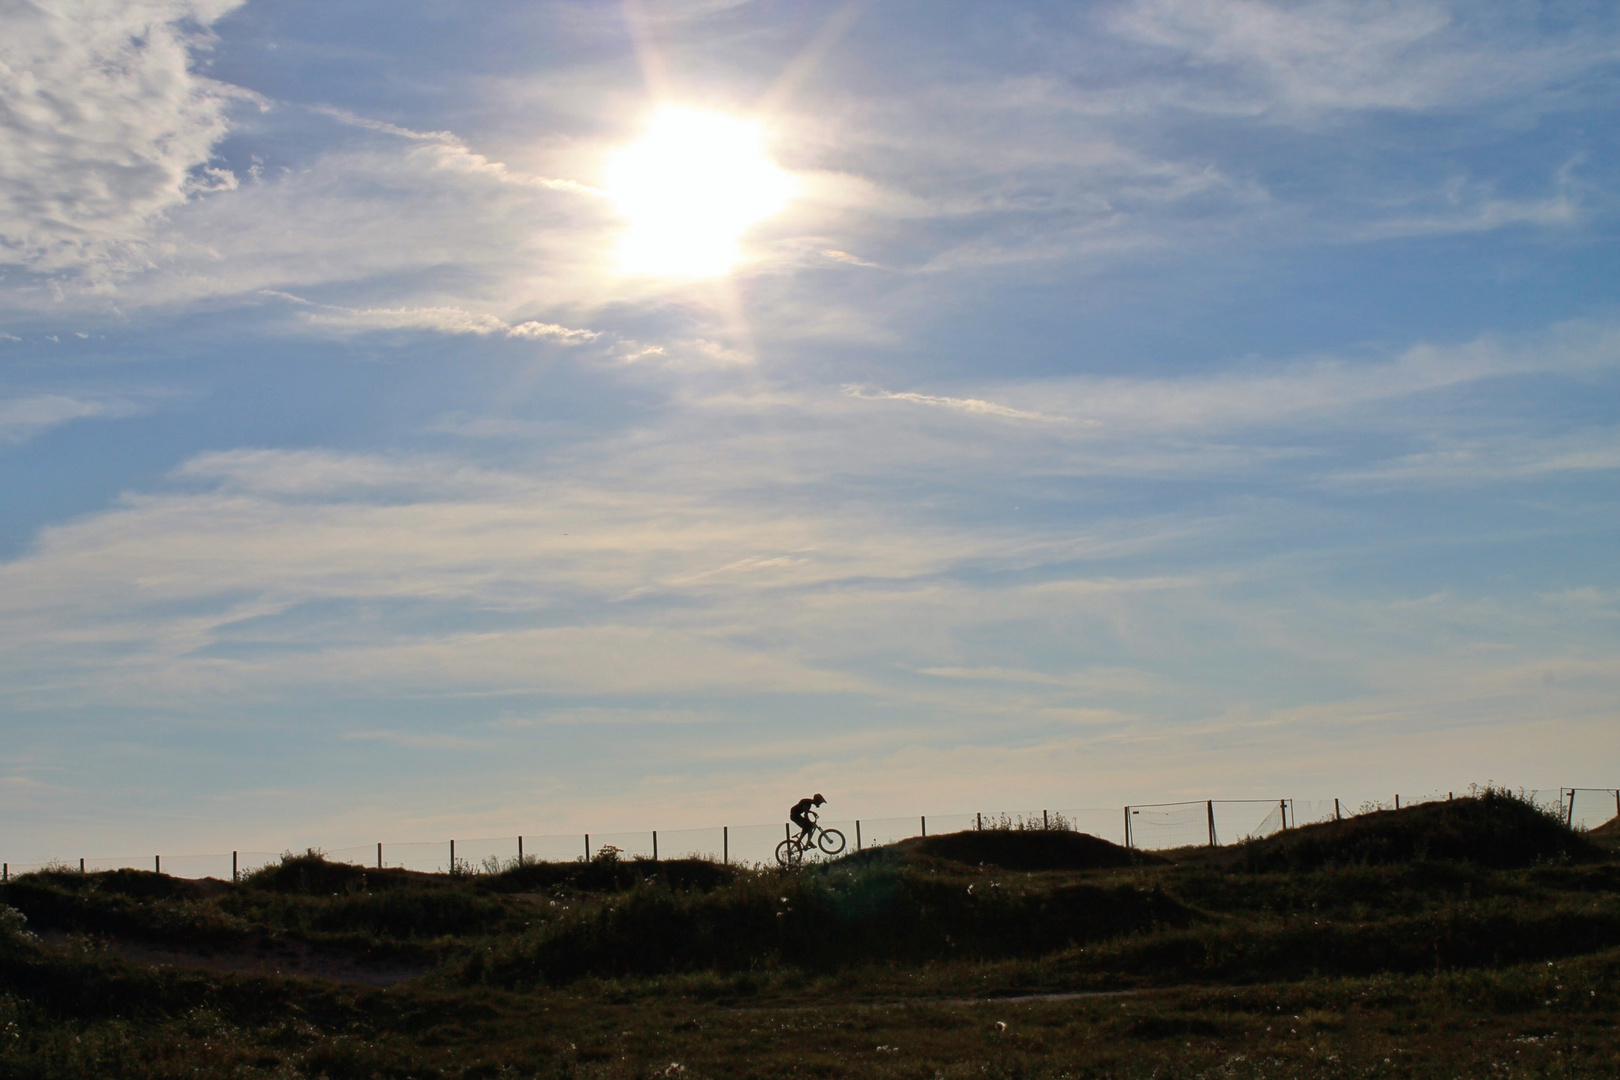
<point>689,189</point>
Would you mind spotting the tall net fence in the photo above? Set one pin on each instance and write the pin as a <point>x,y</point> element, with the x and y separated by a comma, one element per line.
<point>1159,826</point>
<point>1149,826</point>
<point>1589,808</point>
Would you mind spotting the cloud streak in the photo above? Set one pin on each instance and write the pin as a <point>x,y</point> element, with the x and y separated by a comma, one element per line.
<point>25,418</point>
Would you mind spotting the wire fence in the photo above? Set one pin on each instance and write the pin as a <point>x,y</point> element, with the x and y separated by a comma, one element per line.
<point>1147,826</point>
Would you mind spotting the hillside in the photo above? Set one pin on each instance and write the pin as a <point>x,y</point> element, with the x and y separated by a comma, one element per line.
<point>1443,938</point>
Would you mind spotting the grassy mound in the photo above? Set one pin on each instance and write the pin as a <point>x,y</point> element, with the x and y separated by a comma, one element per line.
<point>1495,829</point>
<point>824,918</point>
<point>609,875</point>
<point>1031,849</point>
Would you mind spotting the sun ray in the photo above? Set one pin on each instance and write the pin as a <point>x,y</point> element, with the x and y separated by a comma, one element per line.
<point>799,68</point>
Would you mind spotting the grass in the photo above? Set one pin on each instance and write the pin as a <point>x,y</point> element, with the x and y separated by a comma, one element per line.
<point>1473,938</point>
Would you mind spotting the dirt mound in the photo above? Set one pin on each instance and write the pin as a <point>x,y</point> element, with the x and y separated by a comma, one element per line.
<point>1495,829</point>
<point>1017,849</point>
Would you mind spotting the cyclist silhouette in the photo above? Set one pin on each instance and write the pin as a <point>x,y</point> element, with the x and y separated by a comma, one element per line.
<point>804,816</point>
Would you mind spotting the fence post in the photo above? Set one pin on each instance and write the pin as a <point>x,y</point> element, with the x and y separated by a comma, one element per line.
<point>1127,826</point>
<point>1282,806</point>
<point>520,851</point>
<point>5,871</point>
<point>925,826</point>
<point>157,864</point>
<point>81,868</point>
<point>978,822</point>
<point>452,856</point>
<point>1569,819</point>
<point>1046,822</point>
<point>725,844</point>
<point>655,845</point>
<point>379,855</point>
<point>233,866</point>
<point>1209,805</point>
<point>858,825</point>
<point>1336,815</point>
<point>587,847</point>
<point>1398,802</point>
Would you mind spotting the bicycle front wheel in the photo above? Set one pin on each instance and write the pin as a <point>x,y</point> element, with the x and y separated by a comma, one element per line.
<point>788,853</point>
<point>831,842</point>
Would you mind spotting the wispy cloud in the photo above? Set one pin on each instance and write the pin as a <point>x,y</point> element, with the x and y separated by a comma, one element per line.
<point>966,405</point>
<point>450,152</point>
<point>444,320</point>
<point>22,419</point>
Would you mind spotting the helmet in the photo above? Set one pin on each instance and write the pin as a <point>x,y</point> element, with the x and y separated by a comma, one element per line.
<point>818,800</point>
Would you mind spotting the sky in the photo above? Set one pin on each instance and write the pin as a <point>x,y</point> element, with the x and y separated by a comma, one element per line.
<point>1116,401</point>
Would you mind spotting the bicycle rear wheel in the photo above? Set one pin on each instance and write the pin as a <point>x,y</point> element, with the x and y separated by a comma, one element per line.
<point>788,853</point>
<point>831,842</point>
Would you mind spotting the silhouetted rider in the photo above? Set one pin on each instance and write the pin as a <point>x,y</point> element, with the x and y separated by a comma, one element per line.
<point>804,816</point>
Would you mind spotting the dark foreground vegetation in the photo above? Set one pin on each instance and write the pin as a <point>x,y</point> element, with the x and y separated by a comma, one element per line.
<point>1473,938</point>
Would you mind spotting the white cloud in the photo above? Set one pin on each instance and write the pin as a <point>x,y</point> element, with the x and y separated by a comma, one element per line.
<point>444,320</point>
<point>23,418</point>
<point>104,126</point>
<point>552,330</point>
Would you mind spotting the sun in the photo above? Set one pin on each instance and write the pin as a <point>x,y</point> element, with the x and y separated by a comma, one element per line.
<point>689,190</point>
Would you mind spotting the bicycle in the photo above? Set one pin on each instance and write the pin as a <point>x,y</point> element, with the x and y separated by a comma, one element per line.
<point>791,852</point>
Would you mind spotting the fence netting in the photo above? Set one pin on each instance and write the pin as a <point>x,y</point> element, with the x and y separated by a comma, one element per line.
<point>1153,826</point>
<point>1587,808</point>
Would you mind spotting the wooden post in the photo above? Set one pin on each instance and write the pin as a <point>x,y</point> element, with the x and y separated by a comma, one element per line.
<point>1397,802</point>
<point>233,867</point>
<point>1569,819</point>
<point>725,844</point>
<point>157,864</point>
<point>787,831</point>
<point>587,847</point>
<point>520,851</point>
<point>452,856</point>
<point>5,871</point>
<point>979,822</point>
<point>1336,815</point>
<point>379,855</point>
<point>1282,805</point>
<point>858,825</point>
<point>925,827</point>
<point>1046,823</point>
<point>655,845</point>
<point>1127,826</point>
<point>81,866</point>
<point>1209,807</point>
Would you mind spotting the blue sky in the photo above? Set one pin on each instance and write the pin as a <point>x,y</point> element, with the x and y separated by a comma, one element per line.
<point>1136,400</point>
